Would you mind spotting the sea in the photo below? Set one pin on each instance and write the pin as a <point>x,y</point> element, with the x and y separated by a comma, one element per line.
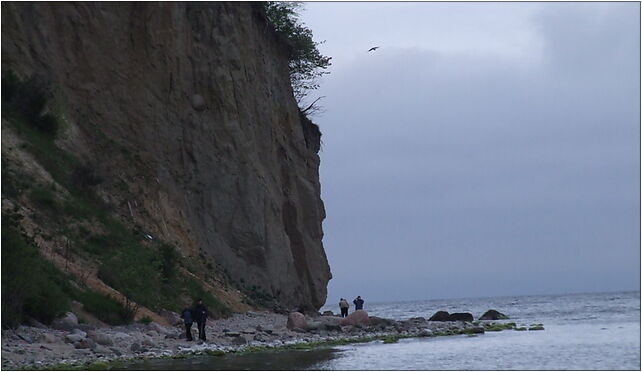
<point>593,331</point>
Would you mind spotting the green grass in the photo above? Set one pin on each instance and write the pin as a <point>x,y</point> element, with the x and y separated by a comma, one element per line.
<point>106,308</point>
<point>31,286</point>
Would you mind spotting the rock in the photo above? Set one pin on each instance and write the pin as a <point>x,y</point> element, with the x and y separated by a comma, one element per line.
<point>376,321</point>
<point>100,338</point>
<point>266,329</point>
<point>440,316</point>
<point>198,102</point>
<point>77,331</point>
<point>135,347</point>
<point>86,343</point>
<point>157,328</point>
<point>249,331</point>
<point>100,349</point>
<point>492,315</point>
<point>310,326</point>
<point>239,340</point>
<point>465,317</point>
<point>121,335</point>
<point>298,330</point>
<point>296,320</point>
<point>66,323</point>
<point>328,313</point>
<point>116,351</point>
<point>147,341</point>
<point>171,317</point>
<point>418,319</point>
<point>425,333</point>
<point>48,338</point>
<point>238,179</point>
<point>232,334</point>
<point>73,338</point>
<point>357,317</point>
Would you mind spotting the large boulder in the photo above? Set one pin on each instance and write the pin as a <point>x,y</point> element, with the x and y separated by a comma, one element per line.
<point>296,320</point>
<point>492,315</point>
<point>47,338</point>
<point>73,338</point>
<point>440,316</point>
<point>100,338</point>
<point>171,317</point>
<point>330,323</point>
<point>86,343</point>
<point>67,322</point>
<point>358,317</point>
<point>153,326</point>
<point>464,317</point>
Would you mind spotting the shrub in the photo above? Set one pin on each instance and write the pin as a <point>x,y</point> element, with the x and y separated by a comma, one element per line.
<point>31,286</point>
<point>146,320</point>
<point>44,197</point>
<point>106,308</point>
<point>29,98</point>
<point>306,63</point>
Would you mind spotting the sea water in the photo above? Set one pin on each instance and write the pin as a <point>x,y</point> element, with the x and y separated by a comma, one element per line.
<point>582,332</point>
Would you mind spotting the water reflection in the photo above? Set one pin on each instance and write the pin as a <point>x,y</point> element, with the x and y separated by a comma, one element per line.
<point>259,361</point>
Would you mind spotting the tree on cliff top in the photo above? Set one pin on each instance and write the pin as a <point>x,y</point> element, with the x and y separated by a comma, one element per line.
<point>306,63</point>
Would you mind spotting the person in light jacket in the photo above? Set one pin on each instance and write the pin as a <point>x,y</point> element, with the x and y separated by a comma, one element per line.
<point>344,305</point>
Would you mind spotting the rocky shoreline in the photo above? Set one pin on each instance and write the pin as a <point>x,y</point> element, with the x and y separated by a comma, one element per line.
<point>90,346</point>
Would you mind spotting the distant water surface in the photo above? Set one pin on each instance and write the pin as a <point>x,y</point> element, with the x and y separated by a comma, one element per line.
<point>582,332</point>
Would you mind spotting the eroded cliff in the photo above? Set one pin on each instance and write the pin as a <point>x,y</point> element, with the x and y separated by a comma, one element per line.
<point>185,113</point>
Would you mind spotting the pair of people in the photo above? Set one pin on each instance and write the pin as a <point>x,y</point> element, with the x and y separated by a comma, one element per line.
<point>199,314</point>
<point>343,305</point>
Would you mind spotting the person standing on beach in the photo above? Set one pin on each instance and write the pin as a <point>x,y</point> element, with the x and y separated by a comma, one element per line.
<point>358,303</point>
<point>187,317</point>
<point>344,305</point>
<point>200,315</point>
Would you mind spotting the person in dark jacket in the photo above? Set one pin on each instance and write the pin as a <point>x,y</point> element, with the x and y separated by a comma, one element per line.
<point>187,317</point>
<point>200,315</point>
<point>358,303</point>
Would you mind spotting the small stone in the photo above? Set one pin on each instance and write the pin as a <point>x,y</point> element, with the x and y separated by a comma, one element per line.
<point>239,340</point>
<point>198,102</point>
<point>135,347</point>
<point>48,338</point>
<point>86,343</point>
<point>99,349</point>
<point>68,322</point>
<point>79,332</point>
<point>73,338</point>
<point>100,338</point>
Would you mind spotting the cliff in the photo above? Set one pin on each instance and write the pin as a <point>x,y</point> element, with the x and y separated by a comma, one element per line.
<point>183,115</point>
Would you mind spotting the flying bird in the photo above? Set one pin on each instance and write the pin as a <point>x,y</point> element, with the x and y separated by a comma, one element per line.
<point>373,48</point>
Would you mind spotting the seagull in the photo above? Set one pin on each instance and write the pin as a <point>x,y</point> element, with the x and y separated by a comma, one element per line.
<point>373,48</point>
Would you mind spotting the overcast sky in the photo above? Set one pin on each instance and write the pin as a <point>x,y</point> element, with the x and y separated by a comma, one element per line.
<point>485,149</point>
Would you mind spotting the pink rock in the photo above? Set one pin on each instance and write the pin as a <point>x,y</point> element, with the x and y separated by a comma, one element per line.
<point>357,317</point>
<point>296,320</point>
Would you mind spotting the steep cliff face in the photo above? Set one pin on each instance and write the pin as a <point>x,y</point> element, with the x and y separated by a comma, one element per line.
<point>186,113</point>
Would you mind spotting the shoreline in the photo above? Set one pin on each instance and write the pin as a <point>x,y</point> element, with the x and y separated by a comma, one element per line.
<point>89,347</point>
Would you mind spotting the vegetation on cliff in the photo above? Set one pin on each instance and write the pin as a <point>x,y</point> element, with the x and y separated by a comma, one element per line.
<point>81,228</point>
<point>306,62</point>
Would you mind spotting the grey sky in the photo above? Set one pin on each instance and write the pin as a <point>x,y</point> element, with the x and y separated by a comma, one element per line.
<point>485,149</point>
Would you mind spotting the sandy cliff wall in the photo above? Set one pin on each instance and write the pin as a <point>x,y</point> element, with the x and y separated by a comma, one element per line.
<point>186,112</point>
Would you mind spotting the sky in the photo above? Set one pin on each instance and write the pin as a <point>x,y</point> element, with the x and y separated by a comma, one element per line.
<point>485,149</point>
